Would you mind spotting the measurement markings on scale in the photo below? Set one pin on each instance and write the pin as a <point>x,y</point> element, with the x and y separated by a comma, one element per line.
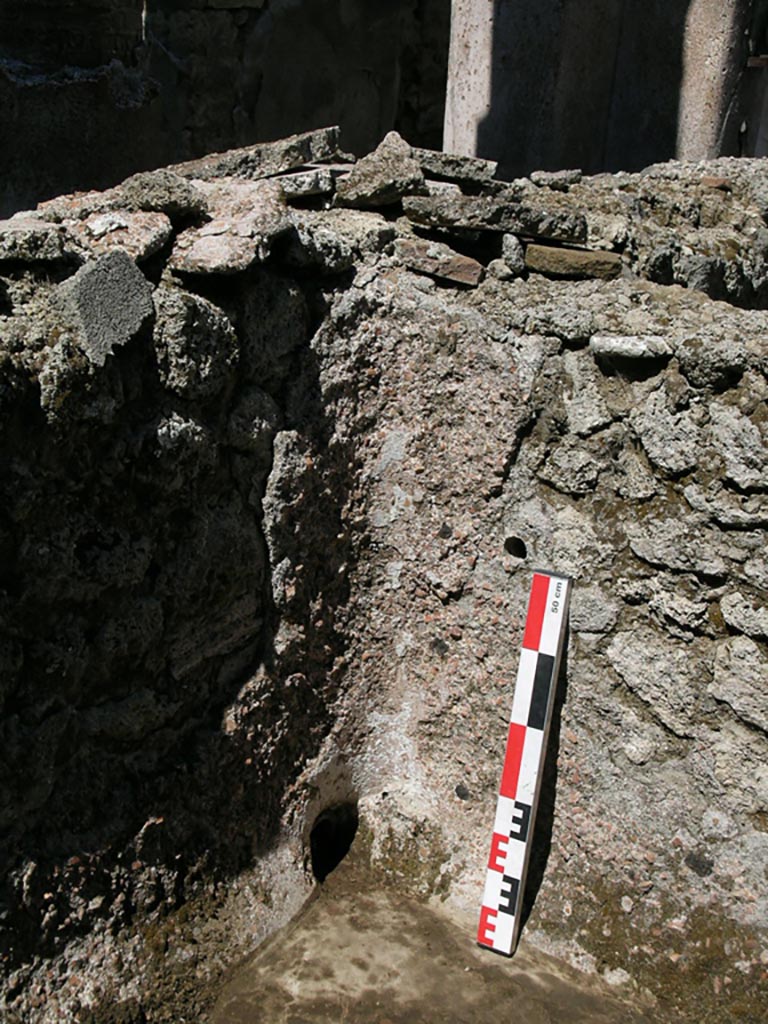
<point>529,723</point>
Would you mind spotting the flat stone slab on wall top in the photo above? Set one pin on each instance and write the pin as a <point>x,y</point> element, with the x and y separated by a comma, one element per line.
<point>557,180</point>
<point>505,212</point>
<point>159,191</point>
<point>162,191</point>
<point>331,240</point>
<point>140,234</point>
<point>28,238</point>
<point>265,159</point>
<point>303,184</point>
<point>246,218</point>
<point>438,260</point>
<point>454,167</point>
<point>575,263</point>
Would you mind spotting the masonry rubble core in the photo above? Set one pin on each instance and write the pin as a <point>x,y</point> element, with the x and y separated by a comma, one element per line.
<point>283,435</point>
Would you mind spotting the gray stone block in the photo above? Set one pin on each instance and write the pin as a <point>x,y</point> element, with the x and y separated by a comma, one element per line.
<point>26,238</point>
<point>383,177</point>
<point>504,213</point>
<point>574,263</point>
<point>454,167</point>
<point>107,302</point>
<point>739,680</point>
<point>266,158</point>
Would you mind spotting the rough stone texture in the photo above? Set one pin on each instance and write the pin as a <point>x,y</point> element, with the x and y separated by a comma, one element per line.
<point>28,238</point>
<point>441,188</point>
<point>317,181</point>
<point>742,443</point>
<point>439,261</point>
<point>562,262</point>
<point>454,167</point>
<point>245,220</point>
<point>331,242</point>
<point>674,230</point>
<point>513,254</point>
<point>106,302</point>
<point>739,680</point>
<point>714,362</point>
<point>196,345</point>
<point>558,180</point>
<point>741,614</point>
<point>266,543</point>
<point>139,234</point>
<point>671,439</point>
<point>265,159</point>
<point>163,191</point>
<point>504,212</point>
<point>383,177</point>
<point>159,191</point>
<point>630,347</point>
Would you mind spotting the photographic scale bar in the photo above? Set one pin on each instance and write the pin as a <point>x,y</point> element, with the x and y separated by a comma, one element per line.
<point>529,723</point>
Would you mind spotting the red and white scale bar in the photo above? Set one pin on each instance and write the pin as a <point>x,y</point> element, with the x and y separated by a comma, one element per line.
<point>545,627</point>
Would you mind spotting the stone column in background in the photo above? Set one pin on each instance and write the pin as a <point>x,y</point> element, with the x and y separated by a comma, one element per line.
<point>468,91</point>
<point>595,84</point>
<point>715,51</point>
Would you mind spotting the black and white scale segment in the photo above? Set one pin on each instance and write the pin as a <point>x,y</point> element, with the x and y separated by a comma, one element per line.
<point>545,627</point>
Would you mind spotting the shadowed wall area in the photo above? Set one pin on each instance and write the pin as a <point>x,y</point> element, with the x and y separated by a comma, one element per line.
<point>91,92</point>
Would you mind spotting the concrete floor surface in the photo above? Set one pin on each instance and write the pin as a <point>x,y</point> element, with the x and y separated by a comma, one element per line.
<point>362,955</point>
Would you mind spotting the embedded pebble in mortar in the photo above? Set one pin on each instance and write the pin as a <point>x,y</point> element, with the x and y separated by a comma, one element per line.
<point>558,180</point>
<point>629,346</point>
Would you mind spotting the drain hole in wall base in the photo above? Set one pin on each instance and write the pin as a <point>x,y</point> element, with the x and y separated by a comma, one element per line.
<point>516,547</point>
<point>331,837</point>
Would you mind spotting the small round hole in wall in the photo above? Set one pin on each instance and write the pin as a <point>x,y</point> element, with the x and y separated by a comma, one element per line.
<point>515,547</point>
<point>331,838</point>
